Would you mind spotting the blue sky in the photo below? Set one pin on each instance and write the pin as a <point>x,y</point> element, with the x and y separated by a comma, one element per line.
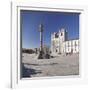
<point>52,22</point>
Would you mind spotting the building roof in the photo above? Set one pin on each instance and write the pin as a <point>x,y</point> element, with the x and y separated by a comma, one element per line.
<point>73,39</point>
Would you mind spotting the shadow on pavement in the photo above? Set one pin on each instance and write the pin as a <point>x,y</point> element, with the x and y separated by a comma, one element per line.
<point>27,72</point>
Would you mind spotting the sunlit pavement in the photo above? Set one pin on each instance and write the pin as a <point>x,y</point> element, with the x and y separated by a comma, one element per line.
<point>57,66</point>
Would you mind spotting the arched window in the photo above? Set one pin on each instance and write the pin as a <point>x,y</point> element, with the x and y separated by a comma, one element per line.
<point>68,44</point>
<point>61,33</point>
<point>56,50</point>
<point>75,45</point>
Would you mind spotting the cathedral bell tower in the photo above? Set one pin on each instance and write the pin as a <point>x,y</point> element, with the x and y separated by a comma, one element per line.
<point>62,35</point>
<point>62,38</point>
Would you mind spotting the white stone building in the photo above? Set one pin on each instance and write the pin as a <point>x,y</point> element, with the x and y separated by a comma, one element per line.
<point>61,45</point>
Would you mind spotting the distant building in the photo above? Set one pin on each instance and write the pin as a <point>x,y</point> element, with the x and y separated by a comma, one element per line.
<point>61,45</point>
<point>29,51</point>
<point>46,49</point>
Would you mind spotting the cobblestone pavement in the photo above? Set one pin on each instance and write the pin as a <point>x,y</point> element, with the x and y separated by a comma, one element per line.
<point>57,66</point>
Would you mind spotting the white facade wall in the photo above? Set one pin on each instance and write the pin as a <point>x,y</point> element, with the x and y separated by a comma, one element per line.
<point>61,45</point>
<point>71,46</point>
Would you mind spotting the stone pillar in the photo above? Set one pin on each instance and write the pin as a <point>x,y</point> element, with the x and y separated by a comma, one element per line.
<point>41,36</point>
<point>41,53</point>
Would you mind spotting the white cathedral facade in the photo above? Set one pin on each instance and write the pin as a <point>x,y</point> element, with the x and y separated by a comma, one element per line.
<point>61,45</point>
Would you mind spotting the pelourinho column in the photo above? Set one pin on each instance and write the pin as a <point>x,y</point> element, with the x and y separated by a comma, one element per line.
<point>41,36</point>
<point>41,53</point>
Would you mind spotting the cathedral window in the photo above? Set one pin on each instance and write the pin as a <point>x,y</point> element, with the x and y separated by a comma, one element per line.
<point>75,45</point>
<point>68,48</point>
<point>68,44</point>
<point>56,50</point>
<point>61,34</point>
<point>56,35</point>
